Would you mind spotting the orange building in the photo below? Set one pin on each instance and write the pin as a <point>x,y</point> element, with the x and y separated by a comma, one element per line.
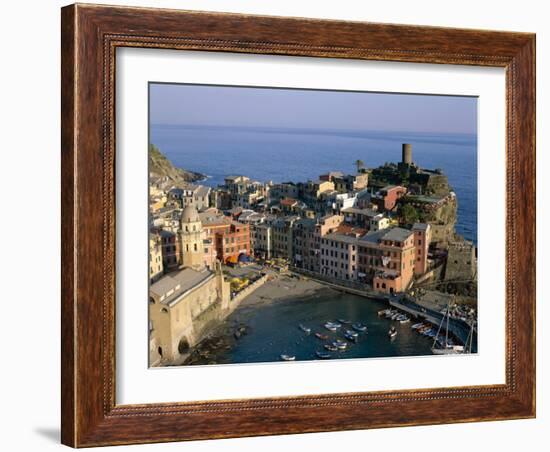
<point>230,238</point>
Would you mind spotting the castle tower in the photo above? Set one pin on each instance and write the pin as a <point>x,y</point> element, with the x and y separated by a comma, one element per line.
<point>407,154</point>
<point>191,239</point>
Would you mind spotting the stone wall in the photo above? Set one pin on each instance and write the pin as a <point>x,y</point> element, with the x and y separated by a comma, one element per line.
<point>236,300</point>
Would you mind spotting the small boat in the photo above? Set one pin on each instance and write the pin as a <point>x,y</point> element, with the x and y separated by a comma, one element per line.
<point>394,316</point>
<point>305,329</point>
<point>352,333</point>
<point>323,337</point>
<point>350,337</point>
<point>392,332</point>
<point>340,344</point>
<point>332,326</point>
<point>288,357</point>
<point>322,355</point>
<point>417,326</point>
<point>452,350</point>
<point>383,312</point>
<point>331,347</point>
<point>359,327</point>
<point>404,319</point>
<point>390,313</point>
<point>345,321</point>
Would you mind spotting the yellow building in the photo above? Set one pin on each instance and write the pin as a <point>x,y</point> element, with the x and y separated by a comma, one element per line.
<point>182,306</point>
<point>155,257</point>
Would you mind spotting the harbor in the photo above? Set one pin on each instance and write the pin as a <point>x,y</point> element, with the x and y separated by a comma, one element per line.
<point>292,318</point>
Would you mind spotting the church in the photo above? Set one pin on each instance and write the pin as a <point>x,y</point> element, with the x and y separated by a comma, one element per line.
<point>185,304</point>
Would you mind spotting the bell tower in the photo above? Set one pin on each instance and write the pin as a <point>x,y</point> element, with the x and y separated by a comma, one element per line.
<point>191,239</point>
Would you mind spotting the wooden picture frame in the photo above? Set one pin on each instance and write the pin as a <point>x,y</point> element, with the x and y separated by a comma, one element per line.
<point>90,36</point>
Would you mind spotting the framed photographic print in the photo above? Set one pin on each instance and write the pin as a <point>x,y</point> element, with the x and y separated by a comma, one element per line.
<point>281,225</point>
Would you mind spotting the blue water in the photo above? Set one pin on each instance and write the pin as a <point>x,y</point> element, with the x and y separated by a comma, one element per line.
<point>280,154</point>
<point>273,330</point>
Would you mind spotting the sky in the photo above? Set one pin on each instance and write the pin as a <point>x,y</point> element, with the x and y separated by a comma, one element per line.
<point>203,105</point>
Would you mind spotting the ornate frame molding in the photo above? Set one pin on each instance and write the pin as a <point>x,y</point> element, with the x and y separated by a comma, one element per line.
<point>90,37</point>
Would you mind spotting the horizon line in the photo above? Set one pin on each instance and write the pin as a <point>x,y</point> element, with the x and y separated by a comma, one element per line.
<point>236,126</point>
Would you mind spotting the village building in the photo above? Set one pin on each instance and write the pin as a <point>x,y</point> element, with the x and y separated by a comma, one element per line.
<point>422,239</point>
<point>282,236</point>
<point>197,196</point>
<point>262,241</point>
<point>378,222</point>
<point>339,255</point>
<point>156,268</point>
<point>182,306</point>
<point>336,202</point>
<point>230,238</point>
<point>283,190</point>
<point>331,175</point>
<point>359,217</point>
<point>387,259</point>
<point>387,197</point>
<point>170,244</point>
<point>351,182</point>
<point>306,254</point>
<point>313,189</point>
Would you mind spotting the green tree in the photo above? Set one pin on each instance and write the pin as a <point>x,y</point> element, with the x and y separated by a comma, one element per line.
<point>409,214</point>
<point>360,165</point>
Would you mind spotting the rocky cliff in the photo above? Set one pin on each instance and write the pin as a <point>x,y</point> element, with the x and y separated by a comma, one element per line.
<point>160,166</point>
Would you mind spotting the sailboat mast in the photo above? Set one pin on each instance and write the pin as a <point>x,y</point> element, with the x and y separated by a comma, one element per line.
<point>447,329</point>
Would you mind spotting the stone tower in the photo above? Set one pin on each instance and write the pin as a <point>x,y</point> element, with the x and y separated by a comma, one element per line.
<point>191,239</point>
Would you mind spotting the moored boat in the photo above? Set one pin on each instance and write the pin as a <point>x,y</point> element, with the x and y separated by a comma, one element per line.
<point>322,355</point>
<point>340,344</point>
<point>451,350</point>
<point>359,327</point>
<point>350,337</point>
<point>323,337</point>
<point>331,347</point>
<point>304,328</point>
<point>392,332</point>
<point>285,357</point>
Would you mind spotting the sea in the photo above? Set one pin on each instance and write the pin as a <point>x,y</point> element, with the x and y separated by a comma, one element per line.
<point>288,154</point>
<point>274,329</point>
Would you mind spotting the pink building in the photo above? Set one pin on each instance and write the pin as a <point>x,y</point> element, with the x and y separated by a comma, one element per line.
<point>387,257</point>
<point>422,239</point>
<point>387,197</point>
